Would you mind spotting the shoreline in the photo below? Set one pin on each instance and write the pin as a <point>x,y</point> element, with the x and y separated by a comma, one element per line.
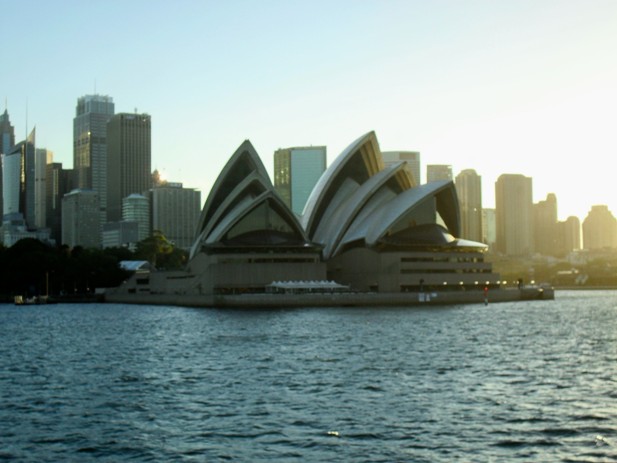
<point>411,299</point>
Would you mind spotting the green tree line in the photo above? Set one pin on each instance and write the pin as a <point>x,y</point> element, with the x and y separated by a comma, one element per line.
<point>33,268</point>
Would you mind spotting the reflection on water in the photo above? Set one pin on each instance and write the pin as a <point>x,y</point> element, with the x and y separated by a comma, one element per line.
<point>523,381</point>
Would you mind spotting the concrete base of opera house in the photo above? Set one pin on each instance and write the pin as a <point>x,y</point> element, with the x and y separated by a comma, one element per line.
<point>268,301</point>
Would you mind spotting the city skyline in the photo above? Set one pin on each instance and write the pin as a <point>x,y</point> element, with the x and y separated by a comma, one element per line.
<point>525,88</point>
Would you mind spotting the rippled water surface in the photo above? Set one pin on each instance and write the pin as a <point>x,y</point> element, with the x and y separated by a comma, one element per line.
<point>523,381</point>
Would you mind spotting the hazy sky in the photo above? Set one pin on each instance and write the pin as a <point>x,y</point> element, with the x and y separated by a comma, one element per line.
<point>527,87</point>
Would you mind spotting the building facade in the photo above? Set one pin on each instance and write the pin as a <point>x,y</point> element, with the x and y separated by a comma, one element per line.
<point>438,172</point>
<point>412,158</point>
<point>469,191</point>
<point>514,215</point>
<point>546,236</point>
<point>489,228</point>
<point>136,208</point>
<point>43,157</point>
<point>175,212</point>
<point>599,229</point>
<point>123,234</point>
<point>296,171</point>
<point>569,236</point>
<point>58,182</point>
<point>18,186</point>
<point>90,145</point>
<point>7,141</point>
<point>129,159</point>
<point>81,219</point>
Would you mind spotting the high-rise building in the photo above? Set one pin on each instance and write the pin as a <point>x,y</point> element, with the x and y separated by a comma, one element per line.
<point>546,239</point>
<point>18,185</point>
<point>296,172</point>
<point>90,145</point>
<point>175,212</point>
<point>436,172</point>
<point>81,219</point>
<point>569,236</point>
<point>412,158</point>
<point>7,141</point>
<point>7,133</point>
<point>136,208</point>
<point>514,214</point>
<point>489,228</point>
<point>129,158</point>
<point>600,229</point>
<point>58,182</point>
<point>469,191</point>
<point>42,158</point>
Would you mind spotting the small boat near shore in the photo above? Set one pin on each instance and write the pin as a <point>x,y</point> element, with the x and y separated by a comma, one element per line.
<point>34,300</point>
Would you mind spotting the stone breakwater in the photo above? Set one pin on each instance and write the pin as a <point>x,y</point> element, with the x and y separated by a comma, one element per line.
<point>337,300</point>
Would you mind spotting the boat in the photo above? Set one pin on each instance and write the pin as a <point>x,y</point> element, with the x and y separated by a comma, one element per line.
<point>34,300</point>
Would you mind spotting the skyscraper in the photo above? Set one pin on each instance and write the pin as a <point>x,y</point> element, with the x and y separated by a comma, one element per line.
<point>435,172</point>
<point>7,133</point>
<point>18,186</point>
<point>469,191</point>
<point>546,239</point>
<point>42,158</point>
<point>129,159</point>
<point>7,141</point>
<point>90,144</point>
<point>296,171</point>
<point>58,182</point>
<point>514,214</point>
<point>411,157</point>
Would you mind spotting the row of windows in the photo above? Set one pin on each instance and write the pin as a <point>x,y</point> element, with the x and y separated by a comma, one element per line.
<point>443,259</point>
<point>270,260</point>
<point>470,270</point>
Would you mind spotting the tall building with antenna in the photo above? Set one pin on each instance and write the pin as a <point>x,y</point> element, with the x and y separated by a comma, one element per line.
<point>90,145</point>
<point>7,141</point>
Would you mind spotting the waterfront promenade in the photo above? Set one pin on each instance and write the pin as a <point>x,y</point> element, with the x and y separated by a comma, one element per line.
<point>348,299</point>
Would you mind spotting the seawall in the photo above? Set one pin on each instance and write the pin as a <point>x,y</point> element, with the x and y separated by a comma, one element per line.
<point>335,299</point>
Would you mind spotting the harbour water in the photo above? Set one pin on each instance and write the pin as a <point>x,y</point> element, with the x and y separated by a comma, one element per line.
<point>525,381</point>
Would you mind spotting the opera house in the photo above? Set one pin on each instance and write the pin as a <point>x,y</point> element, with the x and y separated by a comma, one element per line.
<point>368,235</point>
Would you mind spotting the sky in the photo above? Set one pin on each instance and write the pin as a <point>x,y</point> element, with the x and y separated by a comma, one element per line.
<point>525,87</point>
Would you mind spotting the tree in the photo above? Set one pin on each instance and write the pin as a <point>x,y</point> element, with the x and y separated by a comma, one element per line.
<point>154,248</point>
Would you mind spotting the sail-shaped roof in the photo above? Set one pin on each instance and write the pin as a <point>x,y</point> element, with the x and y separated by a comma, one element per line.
<point>354,166</point>
<point>243,209</point>
<point>356,202</point>
<point>244,162</point>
